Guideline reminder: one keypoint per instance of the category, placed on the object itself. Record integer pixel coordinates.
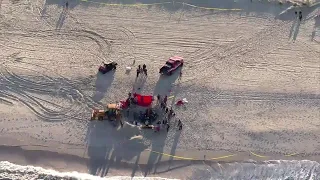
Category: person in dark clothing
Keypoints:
(300, 15)
(165, 100)
(158, 98)
(168, 126)
(180, 127)
(67, 5)
(138, 70)
(179, 122)
(167, 109)
(144, 69)
(163, 106)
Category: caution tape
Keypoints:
(183, 3)
(208, 8)
(289, 155)
(216, 158)
(223, 157)
(261, 156)
(258, 155)
(169, 155)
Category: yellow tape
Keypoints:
(223, 157)
(288, 155)
(137, 5)
(258, 155)
(216, 158)
(208, 8)
(178, 157)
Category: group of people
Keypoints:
(142, 70)
(168, 112)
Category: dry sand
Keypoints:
(252, 79)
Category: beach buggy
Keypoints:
(104, 68)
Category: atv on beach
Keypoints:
(104, 68)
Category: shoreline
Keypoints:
(69, 158)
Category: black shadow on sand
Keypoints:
(257, 7)
(103, 82)
(61, 19)
(296, 30)
(62, 3)
(110, 147)
(316, 26)
(165, 84)
(139, 83)
(288, 14)
(157, 144)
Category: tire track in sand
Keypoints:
(228, 55)
(17, 89)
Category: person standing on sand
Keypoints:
(168, 126)
(158, 98)
(67, 5)
(180, 127)
(138, 70)
(300, 15)
(165, 100)
(180, 75)
(144, 69)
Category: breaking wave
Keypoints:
(10, 171)
(271, 170)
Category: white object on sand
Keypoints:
(184, 100)
(128, 68)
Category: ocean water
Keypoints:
(268, 170)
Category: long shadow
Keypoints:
(157, 145)
(102, 84)
(316, 27)
(125, 151)
(136, 165)
(98, 149)
(62, 3)
(61, 19)
(174, 146)
(139, 83)
(165, 84)
(109, 146)
(296, 31)
(258, 7)
(44, 9)
(289, 13)
(292, 28)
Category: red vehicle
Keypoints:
(171, 65)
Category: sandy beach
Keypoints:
(251, 78)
